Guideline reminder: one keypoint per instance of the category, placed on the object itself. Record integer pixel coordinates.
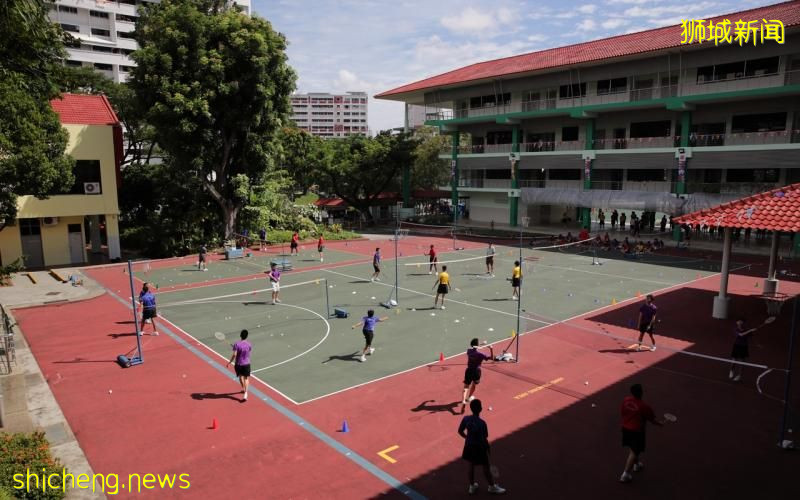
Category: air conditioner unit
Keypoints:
(91, 188)
(49, 221)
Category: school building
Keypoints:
(653, 120)
(55, 231)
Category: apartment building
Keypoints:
(331, 115)
(104, 30)
(638, 121)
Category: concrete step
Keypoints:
(14, 416)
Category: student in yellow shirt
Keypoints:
(516, 277)
(442, 286)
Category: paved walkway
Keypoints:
(27, 401)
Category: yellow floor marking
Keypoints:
(383, 454)
(538, 388)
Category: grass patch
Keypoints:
(22, 452)
(306, 199)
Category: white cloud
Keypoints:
(587, 9)
(614, 23)
(473, 21)
(656, 12)
(587, 25)
(537, 38)
(637, 2)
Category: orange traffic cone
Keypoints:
(441, 357)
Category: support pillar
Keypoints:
(94, 233)
(513, 208)
(454, 175)
(680, 182)
(771, 283)
(721, 301)
(586, 212)
(112, 235)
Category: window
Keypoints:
(97, 13)
(651, 129)
(127, 19)
(761, 67)
(502, 173)
(764, 122)
(85, 171)
(74, 64)
(104, 67)
(127, 2)
(569, 133)
(126, 34)
(100, 48)
(67, 10)
(126, 52)
(645, 174)
(612, 86)
(488, 101)
(565, 174)
(126, 69)
(752, 175)
(71, 28)
(29, 227)
(500, 137)
(570, 91)
(100, 32)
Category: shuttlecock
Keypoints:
(110, 391)
(491, 329)
(585, 383)
(594, 405)
(433, 314)
(354, 292)
(372, 298)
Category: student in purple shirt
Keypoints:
(647, 319)
(275, 281)
(148, 301)
(368, 322)
(241, 357)
(376, 265)
(741, 349)
(472, 375)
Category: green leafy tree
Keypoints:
(428, 170)
(360, 168)
(32, 141)
(216, 85)
(300, 155)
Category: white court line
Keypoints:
(431, 363)
(429, 295)
(317, 281)
(327, 324)
(603, 274)
(212, 351)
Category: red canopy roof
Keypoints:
(84, 109)
(597, 50)
(776, 210)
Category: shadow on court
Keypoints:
(346, 357)
(451, 408)
(199, 396)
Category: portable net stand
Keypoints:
(774, 302)
(123, 360)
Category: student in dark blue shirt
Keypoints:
(472, 375)
(476, 447)
(148, 301)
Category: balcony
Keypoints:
(738, 188)
(485, 183)
(440, 111)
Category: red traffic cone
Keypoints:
(214, 425)
(441, 357)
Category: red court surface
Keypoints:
(553, 421)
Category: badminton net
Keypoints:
(307, 293)
(417, 229)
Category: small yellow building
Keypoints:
(53, 232)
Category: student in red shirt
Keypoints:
(434, 260)
(635, 415)
(293, 244)
(321, 247)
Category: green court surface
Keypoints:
(304, 353)
(221, 269)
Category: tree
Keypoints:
(429, 171)
(300, 155)
(32, 141)
(216, 85)
(360, 168)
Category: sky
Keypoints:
(373, 46)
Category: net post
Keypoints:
(135, 316)
(519, 297)
(327, 300)
(788, 380)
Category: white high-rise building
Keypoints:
(331, 115)
(104, 29)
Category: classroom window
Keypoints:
(762, 122)
(85, 171)
(565, 174)
(651, 129)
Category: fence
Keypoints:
(7, 348)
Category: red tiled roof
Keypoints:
(84, 109)
(776, 210)
(330, 202)
(607, 48)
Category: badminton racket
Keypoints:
(219, 335)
